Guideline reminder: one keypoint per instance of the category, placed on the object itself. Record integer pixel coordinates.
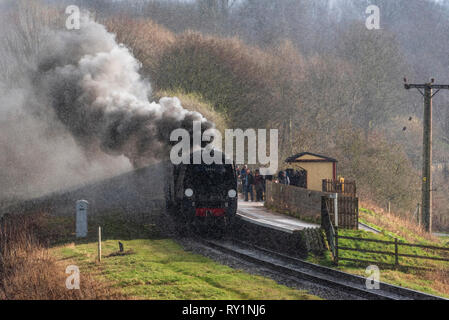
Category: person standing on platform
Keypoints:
(259, 183)
(283, 178)
(248, 185)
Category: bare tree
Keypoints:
(25, 25)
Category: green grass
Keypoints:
(405, 277)
(153, 267)
(384, 258)
(161, 269)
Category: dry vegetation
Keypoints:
(402, 226)
(147, 40)
(29, 272)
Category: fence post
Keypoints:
(396, 253)
(335, 197)
(99, 244)
(336, 246)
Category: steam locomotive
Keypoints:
(200, 197)
(205, 194)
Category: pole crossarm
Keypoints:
(426, 86)
(438, 90)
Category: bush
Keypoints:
(232, 76)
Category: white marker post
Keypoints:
(81, 218)
(335, 197)
(99, 244)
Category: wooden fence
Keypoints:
(346, 188)
(333, 239)
(348, 211)
(396, 253)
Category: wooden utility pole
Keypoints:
(290, 134)
(418, 214)
(428, 94)
(427, 161)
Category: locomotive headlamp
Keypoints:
(188, 192)
(232, 193)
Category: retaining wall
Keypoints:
(298, 202)
(298, 244)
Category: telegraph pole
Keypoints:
(428, 94)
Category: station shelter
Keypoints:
(314, 168)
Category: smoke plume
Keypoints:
(78, 111)
(98, 94)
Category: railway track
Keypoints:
(336, 280)
(366, 227)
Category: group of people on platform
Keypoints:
(251, 182)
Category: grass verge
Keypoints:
(161, 269)
(28, 270)
(37, 248)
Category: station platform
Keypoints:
(256, 213)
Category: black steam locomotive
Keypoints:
(205, 195)
(190, 196)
